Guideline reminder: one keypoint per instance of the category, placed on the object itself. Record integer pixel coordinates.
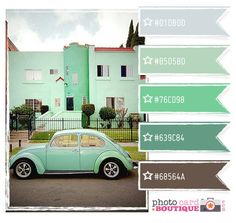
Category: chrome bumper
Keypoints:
(135, 165)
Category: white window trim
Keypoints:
(115, 102)
(52, 69)
(104, 69)
(129, 70)
(32, 75)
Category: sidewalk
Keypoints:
(129, 144)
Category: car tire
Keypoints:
(24, 169)
(112, 169)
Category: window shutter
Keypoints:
(129, 71)
(120, 103)
(75, 79)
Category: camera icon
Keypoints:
(210, 205)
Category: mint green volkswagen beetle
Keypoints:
(73, 152)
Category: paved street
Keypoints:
(77, 191)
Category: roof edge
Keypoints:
(114, 49)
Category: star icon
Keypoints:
(147, 98)
(147, 21)
(147, 137)
(147, 175)
(147, 60)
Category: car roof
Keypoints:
(79, 131)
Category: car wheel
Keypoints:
(24, 169)
(112, 169)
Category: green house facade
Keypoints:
(77, 75)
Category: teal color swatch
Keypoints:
(184, 136)
(181, 98)
(184, 59)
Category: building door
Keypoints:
(70, 104)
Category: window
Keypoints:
(110, 102)
(115, 102)
(33, 75)
(53, 71)
(142, 77)
(57, 102)
(102, 71)
(70, 140)
(84, 100)
(75, 79)
(67, 70)
(120, 103)
(35, 104)
(91, 141)
(126, 71)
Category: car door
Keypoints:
(91, 146)
(63, 153)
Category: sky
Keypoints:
(51, 30)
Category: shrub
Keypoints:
(133, 120)
(106, 114)
(121, 116)
(88, 110)
(21, 115)
(84, 120)
(44, 109)
(22, 110)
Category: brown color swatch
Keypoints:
(197, 175)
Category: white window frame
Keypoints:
(105, 71)
(75, 80)
(57, 102)
(53, 71)
(33, 75)
(116, 99)
(129, 71)
(34, 107)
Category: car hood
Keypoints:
(33, 147)
(29, 149)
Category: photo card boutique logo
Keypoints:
(190, 205)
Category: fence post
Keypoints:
(131, 130)
(62, 123)
(10, 148)
(34, 119)
(97, 124)
(11, 122)
(29, 127)
(16, 121)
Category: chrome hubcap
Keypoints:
(111, 169)
(23, 169)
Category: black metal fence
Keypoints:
(119, 130)
(19, 121)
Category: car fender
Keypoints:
(112, 154)
(37, 162)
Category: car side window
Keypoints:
(70, 140)
(91, 141)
